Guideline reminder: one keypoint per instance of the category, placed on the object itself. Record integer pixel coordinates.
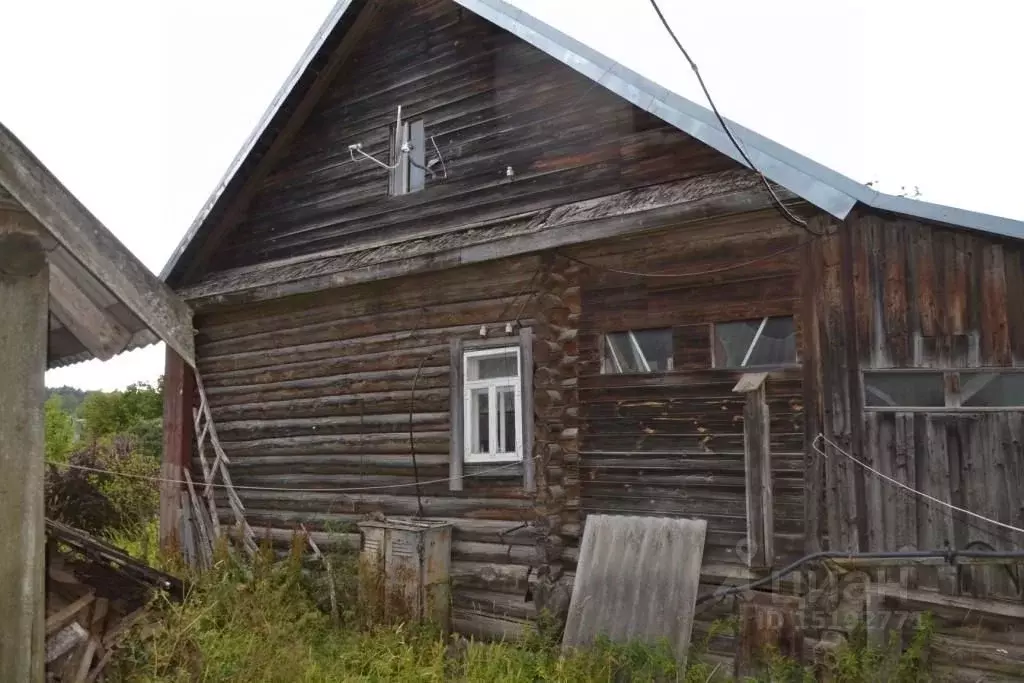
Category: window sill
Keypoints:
(491, 460)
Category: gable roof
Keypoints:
(102, 299)
(830, 191)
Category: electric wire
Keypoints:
(900, 484)
(783, 209)
(281, 489)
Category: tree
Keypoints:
(59, 429)
(121, 412)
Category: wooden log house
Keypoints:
(468, 268)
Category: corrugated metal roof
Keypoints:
(103, 301)
(830, 191)
(637, 579)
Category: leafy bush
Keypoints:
(59, 429)
(107, 490)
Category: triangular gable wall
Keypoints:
(489, 101)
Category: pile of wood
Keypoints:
(94, 594)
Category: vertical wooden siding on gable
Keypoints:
(928, 297)
(489, 101)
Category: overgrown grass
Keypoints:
(269, 621)
(261, 623)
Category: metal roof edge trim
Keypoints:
(311, 51)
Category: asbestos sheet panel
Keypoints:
(636, 580)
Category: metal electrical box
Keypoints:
(406, 563)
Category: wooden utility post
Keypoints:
(24, 302)
(179, 392)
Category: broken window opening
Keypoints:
(637, 351)
(761, 342)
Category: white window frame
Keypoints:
(491, 385)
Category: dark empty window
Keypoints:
(753, 343)
(637, 351)
(904, 389)
(991, 390)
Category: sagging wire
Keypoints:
(280, 489)
(822, 438)
(783, 209)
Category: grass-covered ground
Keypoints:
(269, 621)
(261, 623)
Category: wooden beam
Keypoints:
(91, 325)
(289, 128)
(758, 468)
(99, 252)
(179, 399)
(624, 213)
(24, 312)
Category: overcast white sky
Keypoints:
(139, 106)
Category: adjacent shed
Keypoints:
(69, 291)
(470, 269)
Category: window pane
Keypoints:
(637, 351)
(985, 389)
(496, 366)
(732, 341)
(776, 345)
(904, 389)
(480, 421)
(506, 419)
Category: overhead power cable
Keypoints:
(783, 209)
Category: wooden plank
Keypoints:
(811, 350)
(1014, 269)
(179, 388)
(457, 437)
(529, 457)
(855, 478)
(905, 471)
(936, 521)
(23, 310)
(995, 329)
(95, 247)
(758, 468)
(98, 331)
(895, 316)
(59, 620)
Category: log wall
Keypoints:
(333, 392)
